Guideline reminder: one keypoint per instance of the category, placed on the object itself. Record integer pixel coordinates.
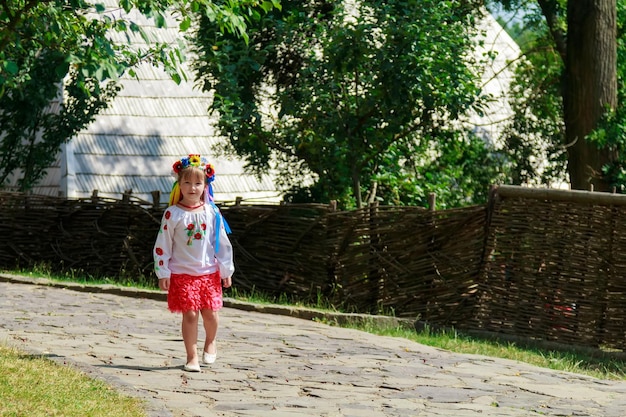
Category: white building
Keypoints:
(496, 78)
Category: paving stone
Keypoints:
(279, 366)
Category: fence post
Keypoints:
(126, 196)
(331, 254)
(156, 198)
(94, 196)
(375, 277)
(432, 201)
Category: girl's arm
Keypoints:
(162, 251)
(224, 256)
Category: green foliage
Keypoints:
(34, 127)
(535, 135)
(81, 30)
(462, 173)
(52, 46)
(357, 99)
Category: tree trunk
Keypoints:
(590, 87)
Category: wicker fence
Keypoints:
(100, 237)
(556, 267)
(538, 264)
(413, 261)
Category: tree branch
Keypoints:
(549, 8)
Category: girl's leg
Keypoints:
(210, 320)
(190, 336)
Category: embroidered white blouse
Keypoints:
(186, 244)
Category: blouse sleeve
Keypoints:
(163, 247)
(224, 254)
(222, 245)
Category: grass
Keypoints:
(34, 386)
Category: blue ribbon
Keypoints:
(218, 223)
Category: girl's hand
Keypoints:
(227, 282)
(164, 284)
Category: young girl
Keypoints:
(193, 256)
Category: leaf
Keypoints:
(120, 25)
(268, 5)
(62, 69)
(185, 24)
(160, 20)
(11, 67)
(99, 74)
(126, 5)
(142, 33)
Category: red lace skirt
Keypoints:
(188, 292)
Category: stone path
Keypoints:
(276, 365)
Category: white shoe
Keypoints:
(208, 358)
(191, 368)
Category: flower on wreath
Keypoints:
(177, 167)
(210, 172)
(194, 160)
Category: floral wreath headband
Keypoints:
(194, 160)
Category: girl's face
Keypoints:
(192, 183)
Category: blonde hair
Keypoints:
(181, 170)
(193, 173)
(190, 172)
